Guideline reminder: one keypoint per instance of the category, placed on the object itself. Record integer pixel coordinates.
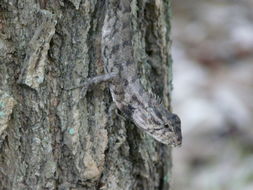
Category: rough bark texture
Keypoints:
(56, 139)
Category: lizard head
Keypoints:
(161, 124)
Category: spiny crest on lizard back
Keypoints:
(155, 98)
(159, 123)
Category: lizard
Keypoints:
(127, 92)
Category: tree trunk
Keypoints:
(52, 138)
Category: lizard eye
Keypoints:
(168, 127)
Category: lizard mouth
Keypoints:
(177, 141)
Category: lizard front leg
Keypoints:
(94, 81)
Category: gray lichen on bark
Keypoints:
(33, 68)
(7, 104)
(57, 139)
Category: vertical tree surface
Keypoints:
(51, 138)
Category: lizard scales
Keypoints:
(126, 90)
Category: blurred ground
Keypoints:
(213, 94)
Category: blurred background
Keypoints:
(213, 94)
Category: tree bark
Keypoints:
(57, 139)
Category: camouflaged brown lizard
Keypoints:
(126, 90)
